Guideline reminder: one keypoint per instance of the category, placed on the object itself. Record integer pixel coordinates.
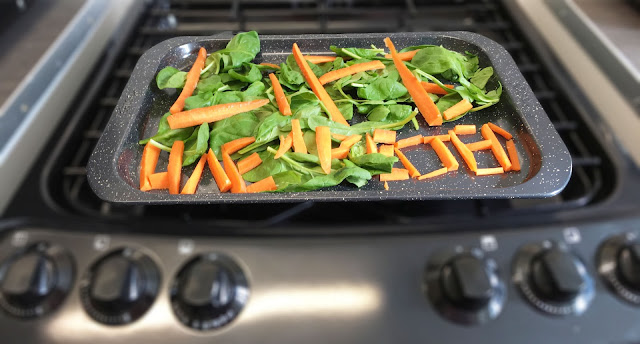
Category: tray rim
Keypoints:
(117, 190)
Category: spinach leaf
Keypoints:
(196, 145)
(202, 99)
(357, 53)
(167, 136)
(310, 141)
(358, 149)
(170, 77)
(269, 167)
(416, 47)
(291, 63)
(231, 83)
(448, 101)
(228, 129)
(481, 77)
(242, 48)
(378, 114)
(289, 77)
(269, 129)
(211, 65)
(434, 59)
(360, 128)
(375, 163)
(210, 84)
(254, 91)
(286, 178)
(247, 73)
(350, 172)
(346, 109)
(226, 97)
(382, 89)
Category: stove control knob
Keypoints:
(120, 287)
(619, 266)
(35, 280)
(464, 286)
(209, 292)
(553, 279)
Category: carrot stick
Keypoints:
(513, 156)
(317, 88)
(479, 145)
(465, 153)
(323, 141)
(237, 144)
(406, 56)
(457, 110)
(433, 174)
(249, 163)
(465, 129)
(190, 83)
(435, 88)
(274, 66)
(285, 145)
(496, 129)
(386, 150)
(237, 183)
(159, 181)
(213, 113)
(386, 186)
(384, 136)
(413, 171)
(448, 160)
(496, 148)
(174, 169)
(411, 141)
(371, 146)
(396, 174)
(338, 137)
(193, 181)
(315, 59)
(443, 138)
(353, 69)
(281, 99)
(350, 141)
(148, 164)
(427, 107)
(267, 184)
(488, 171)
(298, 140)
(339, 153)
(219, 175)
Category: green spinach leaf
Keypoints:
(375, 163)
(242, 48)
(247, 73)
(228, 129)
(196, 145)
(170, 77)
(382, 89)
(167, 136)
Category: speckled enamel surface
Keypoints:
(546, 164)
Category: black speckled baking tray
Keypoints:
(546, 164)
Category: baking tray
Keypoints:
(546, 164)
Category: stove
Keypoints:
(562, 269)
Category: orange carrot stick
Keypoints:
(237, 183)
(281, 99)
(396, 174)
(213, 113)
(267, 184)
(285, 145)
(427, 107)
(249, 163)
(496, 147)
(350, 141)
(174, 169)
(353, 69)
(371, 146)
(386, 150)
(315, 59)
(488, 171)
(386, 186)
(148, 164)
(448, 160)
(513, 156)
(339, 153)
(457, 110)
(317, 88)
(159, 181)
(479, 145)
(193, 181)
(384, 136)
(219, 175)
(433, 174)
(298, 140)
(190, 83)
(496, 129)
(406, 56)
(237, 144)
(465, 129)
(435, 88)
(323, 141)
(338, 137)
(466, 154)
(443, 138)
(274, 66)
(411, 141)
(413, 171)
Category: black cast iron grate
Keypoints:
(592, 177)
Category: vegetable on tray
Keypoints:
(312, 122)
